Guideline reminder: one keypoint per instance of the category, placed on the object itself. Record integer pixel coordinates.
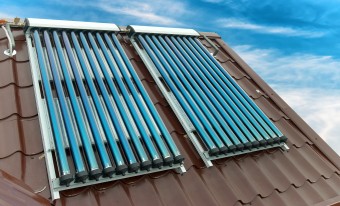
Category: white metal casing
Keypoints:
(162, 30)
(48, 23)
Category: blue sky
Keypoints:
(293, 45)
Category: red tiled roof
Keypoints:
(307, 174)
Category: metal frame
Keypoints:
(182, 116)
(57, 188)
(48, 143)
(283, 146)
(46, 131)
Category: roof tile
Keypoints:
(220, 190)
(277, 177)
(324, 189)
(270, 109)
(29, 169)
(195, 189)
(256, 177)
(15, 73)
(15, 100)
(250, 88)
(234, 71)
(294, 135)
(18, 135)
(238, 181)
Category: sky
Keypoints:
(293, 45)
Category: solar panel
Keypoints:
(98, 123)
(218, 116)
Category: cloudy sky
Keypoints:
(292, 44)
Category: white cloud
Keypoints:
(147, 11)
(310, 84)
(285, 31)
(319, 108)
(305, 70)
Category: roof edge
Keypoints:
(333, 201)
(332, 156)
(21, 191)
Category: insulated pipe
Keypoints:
(121, 167)
(126, 146)
(218, 96)
(209, 143)
(81, 173)
(107, 166)
(234, 94)
(168, 159)
(198, 95)
(64, 169)
(198, 84)
(91, 159)
(246, 98)
(156, 159)
(249, 130)
(177, 156)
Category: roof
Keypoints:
(307, 174)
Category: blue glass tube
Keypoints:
(222, 100)
(211, 93)
(200, 98)
(156, 159)
(64, 169)
(168, 159)
(81, 173)
(185, 69)
(245, 100)
(126, 146)
(244, 116)
(206, 138)
(86, 143)
(245, 125)
(105, 160)
(121, 167)
(177, 156)
(226, 84)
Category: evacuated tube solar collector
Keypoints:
(213, 108)
(103, 123)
